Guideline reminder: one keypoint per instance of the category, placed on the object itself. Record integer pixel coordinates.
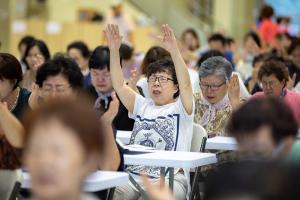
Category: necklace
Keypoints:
(12, 99)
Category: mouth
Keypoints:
(45, 180)
(156, 92)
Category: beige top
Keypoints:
(213, 117)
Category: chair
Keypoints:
(198, 145)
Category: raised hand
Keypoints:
(291, 82)
(168, 39)
(110, 114)
(113, 37)
(234, 91)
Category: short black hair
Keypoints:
(208, 54)
(258, 58)
(42, 47)
(60, 65)
(273, 112)
(295, 45)
(100, 58)
(254, 37)
(163, 65)
(217, 37)
(26, 40)
(126, 51)
(81, 46)
(10, 68)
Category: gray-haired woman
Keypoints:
(220, 95)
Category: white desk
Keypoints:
(100, 180)
(173, 159)
(221, 143)
(124, 136)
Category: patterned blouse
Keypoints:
(213, 117)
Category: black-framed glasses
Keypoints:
(161, 79)
(212, 87)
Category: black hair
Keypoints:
(60, 65)
(164, 65)
(42, 47)
(10, 68)
(100, 58)
(254, 37)
(81, 46)
(208, 54)
(217, 37)
(266, 12)
(258, 58)
(126, 51)
(26, 40)
(295, 44)
(273, 112)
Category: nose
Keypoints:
(156, 83)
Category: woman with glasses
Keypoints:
(163, 121)
(220, 95)
(274, 76)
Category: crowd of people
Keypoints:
(59, 112)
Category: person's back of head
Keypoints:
(266, 12)
(153, 54)
(126, 51)
(261, 124)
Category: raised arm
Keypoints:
(11, 126)
(125, 93)
(169, 42)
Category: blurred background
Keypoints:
(59, 22)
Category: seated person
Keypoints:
(80, 52)
(13, 103)
(220, 93)
(61, 149)
(252, 82)
(101, 89)
(165, 120)
(265, 128)
(274, 77)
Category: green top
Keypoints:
(294, 155)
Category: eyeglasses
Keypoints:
(161, 79)
(212, 87)
(59, 89)
(269, 83)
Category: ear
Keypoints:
(176, 88)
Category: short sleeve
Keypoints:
(139, 102)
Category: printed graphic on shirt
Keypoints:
(159, 133)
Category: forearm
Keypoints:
(12, 127)
(182, 73)
(112, 158)
(115, 69)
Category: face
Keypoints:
(161, 88)
(6, 87)
(296, 57)
(272, 86)
(258, 144)
(101, 80)
(31, 58)
(76, 55)
(214, 88)
(56, 87)
(52, 156)
(117, 10)
(190, 41)
(250, 46)
(217, 45)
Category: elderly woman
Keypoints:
(58, 143)
(274, 76)
(220, 95)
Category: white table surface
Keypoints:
(221, 143)
(100, 180)
(124, 136)
(175, 159)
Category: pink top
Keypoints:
(268, 30)
(291, 98)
